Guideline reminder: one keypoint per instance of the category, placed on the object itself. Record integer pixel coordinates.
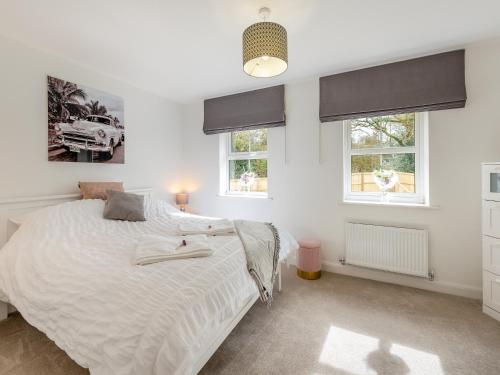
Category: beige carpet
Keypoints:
(336, 325)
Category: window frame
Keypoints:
(421, 151)
(226, 155)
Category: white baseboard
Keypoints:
(493, 313)
(414, 282)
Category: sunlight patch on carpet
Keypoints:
(360, 354)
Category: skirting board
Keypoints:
(490, 312)
(414, 282)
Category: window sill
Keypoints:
(245, 196)
(390, 204)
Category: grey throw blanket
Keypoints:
(262, 247)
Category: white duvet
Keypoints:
(69, 272)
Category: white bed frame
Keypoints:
(221, 336)
(12, 209)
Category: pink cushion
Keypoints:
(309, 243)
(97, 190)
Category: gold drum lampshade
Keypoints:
(265, 50)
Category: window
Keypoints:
(243, 163)
(385, 159)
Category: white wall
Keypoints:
(163, 150)
(307, 195)
(152, 125)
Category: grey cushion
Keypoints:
(124, 206)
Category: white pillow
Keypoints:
(157, 207)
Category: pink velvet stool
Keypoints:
(309, 259)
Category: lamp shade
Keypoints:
(265, 49)
(182, 198)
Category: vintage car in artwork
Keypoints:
(95, 133)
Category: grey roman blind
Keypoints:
(264, 108)
(423, 84)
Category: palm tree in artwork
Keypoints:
(64, 98)
(96, 109)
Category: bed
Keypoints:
(68, 271)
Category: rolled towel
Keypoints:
(210, 228)
(152, 248)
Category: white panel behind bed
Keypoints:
(12, 208)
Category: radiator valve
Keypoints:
(430, 275)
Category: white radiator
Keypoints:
(400, 250)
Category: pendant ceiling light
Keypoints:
(265, 50)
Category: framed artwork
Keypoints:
(85, 125)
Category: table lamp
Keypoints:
(182, 199)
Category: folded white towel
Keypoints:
(210, 228)
(152, 248)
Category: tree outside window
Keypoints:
(247, 162)
(383, 155)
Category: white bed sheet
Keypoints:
(69, 273)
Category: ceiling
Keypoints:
(191, 49)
